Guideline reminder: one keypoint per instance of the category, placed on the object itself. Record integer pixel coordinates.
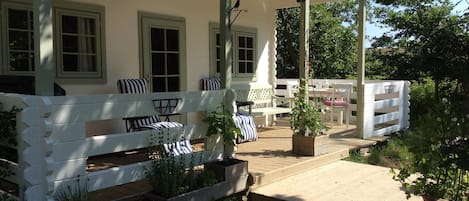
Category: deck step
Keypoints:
(260, 179)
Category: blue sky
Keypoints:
(373, 30)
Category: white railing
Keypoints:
(386, 102)
(54, 147)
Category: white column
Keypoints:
(44, 47)
(361, 70)
(304, 46)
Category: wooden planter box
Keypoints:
(228, 170)
(209, 193)
(232, 173)
(310, 146)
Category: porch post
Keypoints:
(226, 49)
(304, 47)
(361, 69)
(43, 47)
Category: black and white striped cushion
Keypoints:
(132, 86)
(177, 148)
(247, 126)
(164, 124)
(211, 83)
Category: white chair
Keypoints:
(339, 102)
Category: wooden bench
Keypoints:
(264, 99)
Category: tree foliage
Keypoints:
(333, 40)
(428, 39)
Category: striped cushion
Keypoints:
(164, 124)
(247, 126)
(211, 83)
(132, 86)
(177, 148)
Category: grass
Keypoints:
(391, 154)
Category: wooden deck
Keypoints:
(270, 157)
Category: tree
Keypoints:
(429, 40)
(333, 40)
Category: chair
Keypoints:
(339, 102)
(243, 121)
(139, 86)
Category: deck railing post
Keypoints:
(368, 111)
(32, 166)
(405, 106)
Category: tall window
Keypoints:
(79, 50)
(20, 48)
(78, 40)
(244, 48)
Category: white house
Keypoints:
(87, 45)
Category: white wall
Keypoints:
(122, 52)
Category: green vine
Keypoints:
(305, 118)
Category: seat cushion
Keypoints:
(164, 124)
(247, 126)
(177, 148)
(335, 103)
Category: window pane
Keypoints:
(70, 43)
(31, 40)
(159, 84)
(18, 40)
(250, 55)
(249, 67)
(242, 54)
(19, 61)
(217, 40)
(173, 84)
(18, 19)
(88, 63)
(241, 42)
(88, 44)
(173, 64)
(157, 39)
(70, 63)
(218, 66)
(241, 67)
(172, 39)
(87, 26)
(249, 42)
(69, 24)
(218, 53)
(158, 64)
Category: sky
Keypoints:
(372, 30)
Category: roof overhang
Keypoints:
(293, 3)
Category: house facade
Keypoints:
(171, 43)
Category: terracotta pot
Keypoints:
(310, 146)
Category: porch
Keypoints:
(270, 159)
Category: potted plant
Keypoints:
(221, 123)
(308, 136)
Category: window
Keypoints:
(19, 37)
(78, 39)
(244, 49)
(163, 51)
(79, 47)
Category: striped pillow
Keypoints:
(132, 86)
(211, 83)
(177, 148)
(164, 124)
(247, 126)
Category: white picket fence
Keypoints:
(387, 104)
(53, 145)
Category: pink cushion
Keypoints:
(339, 102)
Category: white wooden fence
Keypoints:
(387, 104)
(53, 145)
